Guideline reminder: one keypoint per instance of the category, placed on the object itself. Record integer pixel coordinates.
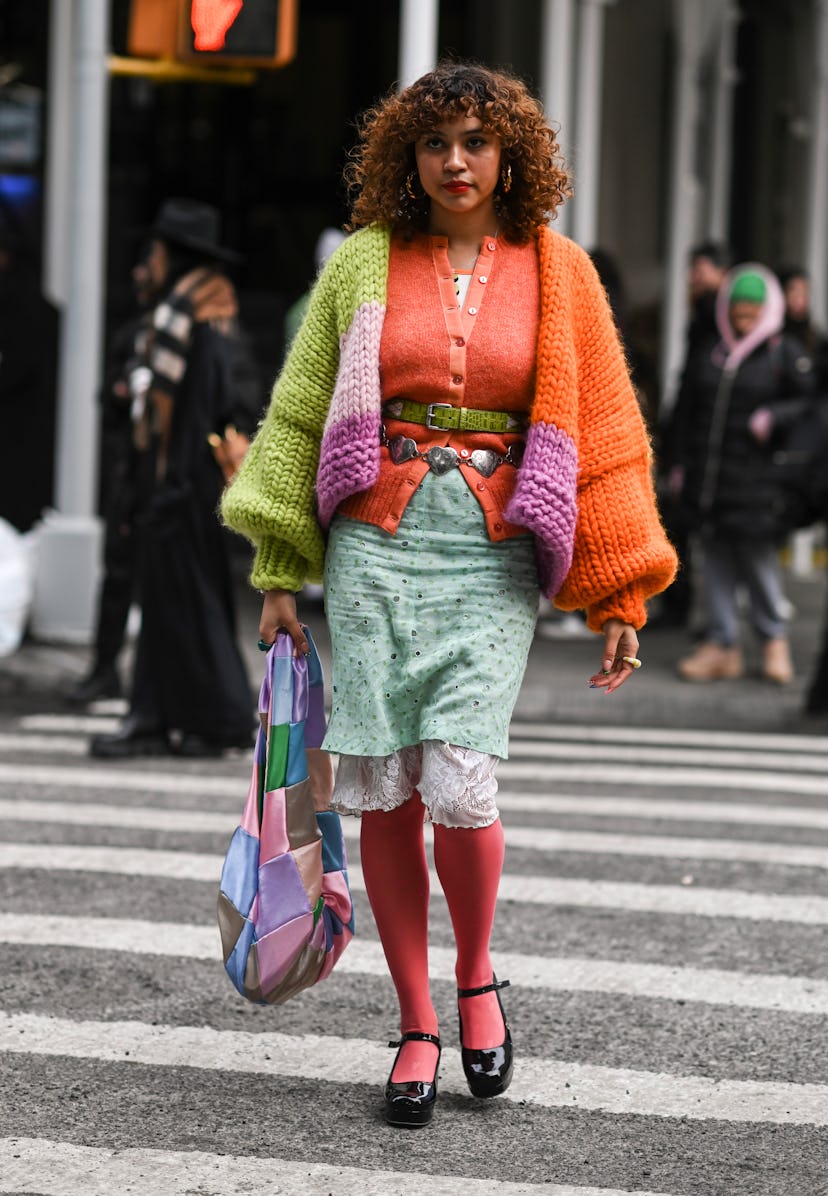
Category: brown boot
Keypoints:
(776, 663)
(711, 662)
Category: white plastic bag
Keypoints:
(17, 569)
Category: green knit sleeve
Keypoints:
(271, 500)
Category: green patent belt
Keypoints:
(454, 419)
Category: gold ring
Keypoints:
(632, 661)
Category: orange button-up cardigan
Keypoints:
(583, 489)
(482, 356)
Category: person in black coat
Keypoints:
(190, 692)
(123, 373)
(707, 266)
(799, 320)
(740, 388)
(28, 382)
(799, 323)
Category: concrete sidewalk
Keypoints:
(555, 687)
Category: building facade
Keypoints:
(682, 120)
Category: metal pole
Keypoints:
(558, 22)
(589, 91)
(683, 192)
(81, 340)
(58, 142)
(721, 152)
(419, 20)
(69, 546)
(816, 237)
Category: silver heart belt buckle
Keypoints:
(402, 449)
(485, 461)
(441, 459)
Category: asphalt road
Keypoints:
(662, 919)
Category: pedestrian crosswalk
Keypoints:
(662, 919)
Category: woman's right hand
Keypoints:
(278, 614)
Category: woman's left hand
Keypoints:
(761, 424)
(620, 640)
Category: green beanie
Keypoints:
(748, 288)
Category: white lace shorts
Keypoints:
(457, 785)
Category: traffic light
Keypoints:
(225, 33)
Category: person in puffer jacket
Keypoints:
(740, 386)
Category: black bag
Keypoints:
(800, 467)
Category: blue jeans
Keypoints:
(752, 566)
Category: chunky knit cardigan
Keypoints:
(584, 488)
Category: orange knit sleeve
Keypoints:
(621, 554)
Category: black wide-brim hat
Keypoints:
(192, 225)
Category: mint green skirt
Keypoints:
(430, 628)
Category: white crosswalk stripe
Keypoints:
(754, 741)
(62, 1168)
(617, 778)
(746, 990)
(636, 775)
(544, 1082)
(619, 806)
(537, 839)
(535, 890)
(623, 806)
(624, 754)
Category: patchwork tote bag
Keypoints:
(284, 908)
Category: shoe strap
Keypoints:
(417, 1036)
(486, 988)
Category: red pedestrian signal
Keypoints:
(239, 32)
(227, 33)
(211, 20)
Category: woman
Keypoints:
(456, 413)
(192, 377)
(739, 391)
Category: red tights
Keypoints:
(469, 863)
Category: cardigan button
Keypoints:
(472, 311)
(481, 485)
(498, 527)
(491, 246)
(457, 379)
(483, 278)
(460, 341)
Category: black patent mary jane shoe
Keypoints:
(411, 1103)
(488, 1072)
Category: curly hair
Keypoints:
(384, 158)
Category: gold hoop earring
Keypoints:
(506, 179)
(409, 185)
